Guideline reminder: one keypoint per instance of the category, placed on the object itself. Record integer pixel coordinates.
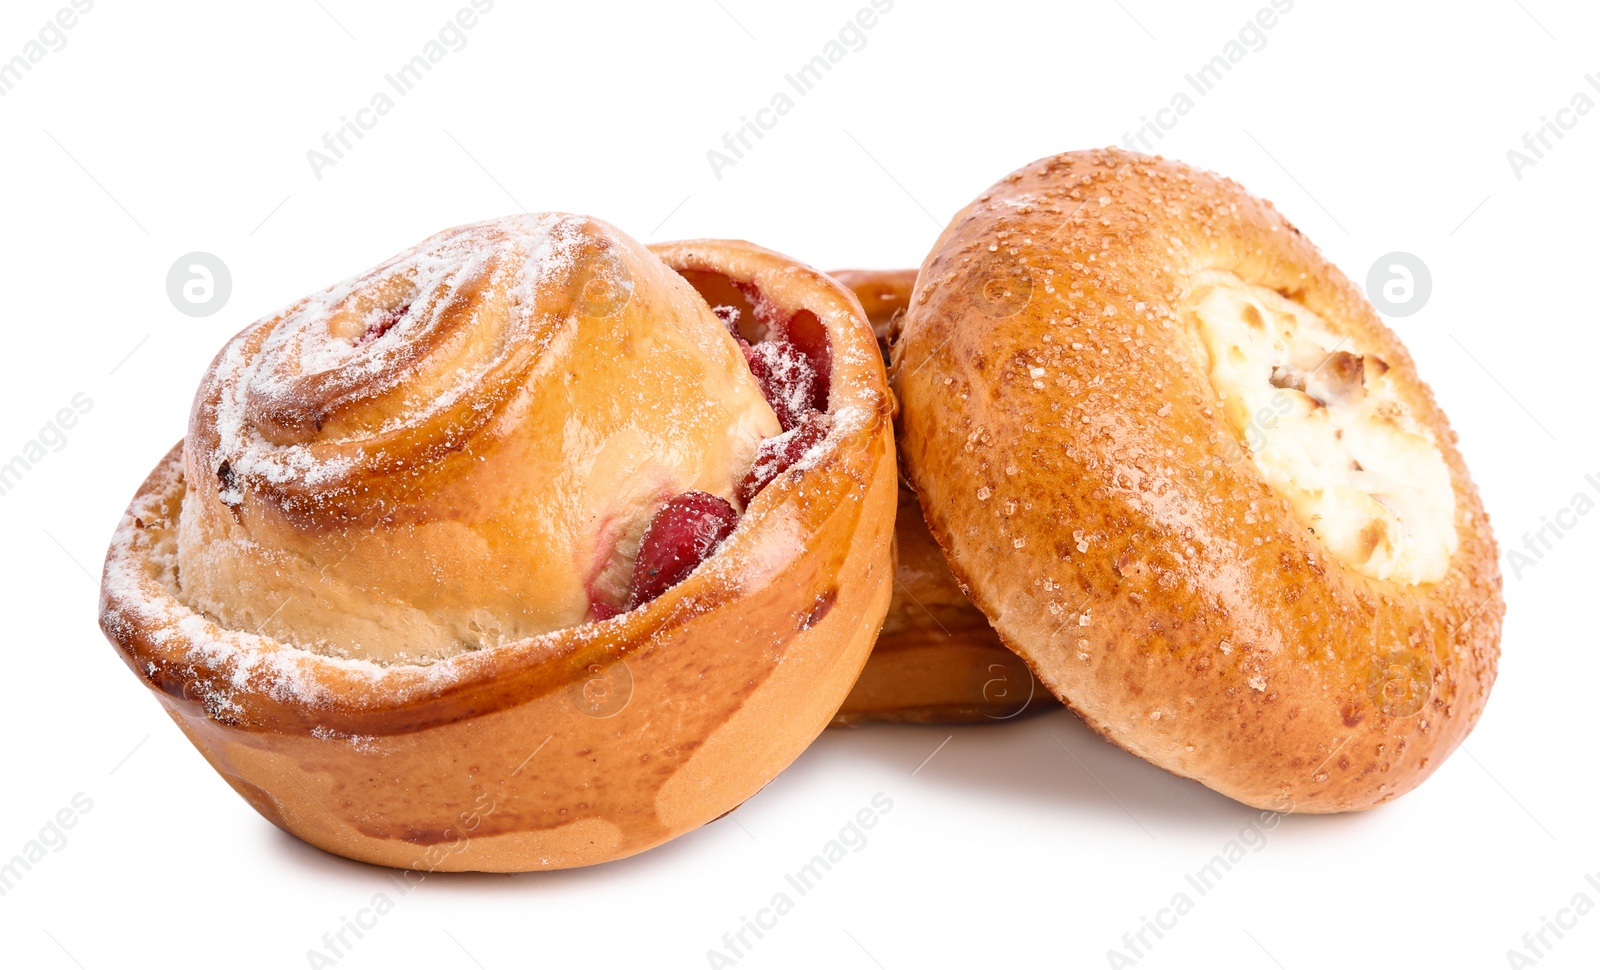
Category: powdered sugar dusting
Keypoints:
(320, 340)
(331, 336)
(221, 666)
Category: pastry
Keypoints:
(509, 554)
(937, 659)
(1190, 476)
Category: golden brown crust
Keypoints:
(576, 746)
(1069, 453)
(884, 295)
(937, 659)
(365, 483)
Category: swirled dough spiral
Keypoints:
(461, 447)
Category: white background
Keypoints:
(1376, 126)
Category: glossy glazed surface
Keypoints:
(1072, 458)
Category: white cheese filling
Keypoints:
(1326, 427)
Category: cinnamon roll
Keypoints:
(511, 553)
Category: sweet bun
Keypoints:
(937, 659)
(1188, 473)
(504, 556)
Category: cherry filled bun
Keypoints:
(461, 565)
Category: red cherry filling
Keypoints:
(680, 537)
(729, 315)
(810, 337)
(792, 368)
(382, 323)
(777, 454)
(787, 380)
(600, 610)
(792, 365)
